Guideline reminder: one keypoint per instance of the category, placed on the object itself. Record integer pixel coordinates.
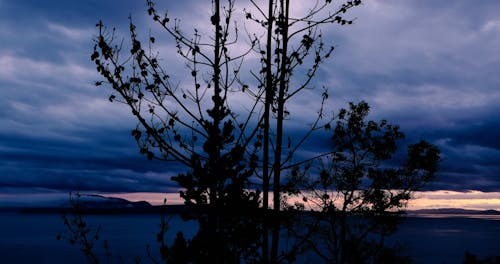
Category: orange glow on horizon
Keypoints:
(474, 200)
(152, 198)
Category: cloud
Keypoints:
(430, 66)
(86, 172)
(42, 73)
(71, 34)
(492, 26)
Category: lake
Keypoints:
(31, 238)
(445, 239)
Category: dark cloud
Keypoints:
(430, 66)
(478, 132)
(96, 165)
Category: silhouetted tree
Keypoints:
(81, 234)
(359, 192)
(236, 155)
(293, 44)
(223, 149)
(473, 259)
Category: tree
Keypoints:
(359, 192)
(223, 149)
(473, 259)
(235, 156)
(79, 233)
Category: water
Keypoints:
(31, 238)
(27, 238)
(443, 239)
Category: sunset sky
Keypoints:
(433, 67)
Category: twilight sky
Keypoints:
(433, 67)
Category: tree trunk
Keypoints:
(283, 83)
(267, 106)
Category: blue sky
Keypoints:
(433, 67)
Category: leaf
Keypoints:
(136, 134)
(94, 55)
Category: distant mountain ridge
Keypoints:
(103, 205)
(99, 204)
(98, 201)
(454, 211)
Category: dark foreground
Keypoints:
(31, 238)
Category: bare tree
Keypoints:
(293, 44)
(235, 157)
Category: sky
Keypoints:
(433, 67)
